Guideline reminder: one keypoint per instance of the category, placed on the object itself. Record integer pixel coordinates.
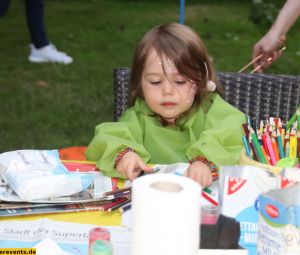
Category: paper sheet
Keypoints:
(70, 237)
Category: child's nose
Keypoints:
(167, 88)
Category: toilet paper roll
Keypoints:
(165, 215)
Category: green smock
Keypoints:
(214, 131)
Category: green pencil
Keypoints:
(292, 119)
(256, 144)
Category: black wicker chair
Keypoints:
(258, 95)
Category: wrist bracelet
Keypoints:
(212, 166)
(121, 155)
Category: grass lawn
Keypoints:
(47, 106)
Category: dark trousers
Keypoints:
(35, 20)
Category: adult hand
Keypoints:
(268, 47)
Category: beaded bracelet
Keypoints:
(121, 155)
(212, 166)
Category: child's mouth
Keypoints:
(168, 104)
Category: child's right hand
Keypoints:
(131, 165)
(200, 173)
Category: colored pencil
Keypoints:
(282, 136)
(287, 149)
(118, 201)
(298, 143)
(256, 144)
(125, 208)
(247, 146)
(293, 146)
(292, 120)
(246, 129)
(266, 155)
(254, 152)
(273, 139)
(270, 148)
(275, 148)
(209, 191)
(280, 146)
(119, 205)
(121, 194)
(298, 119)
(113, 192)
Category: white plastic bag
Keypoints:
(39, 174)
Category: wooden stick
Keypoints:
(250, 63)
(257, 58)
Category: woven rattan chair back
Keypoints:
(257, 95)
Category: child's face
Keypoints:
(166, 93)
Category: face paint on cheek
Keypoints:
(190, 94)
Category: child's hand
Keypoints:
(131, 165)
(200, 173)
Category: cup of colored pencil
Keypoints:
(273, 144)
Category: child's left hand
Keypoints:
(200, 173)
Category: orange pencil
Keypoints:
(275, 148)
(266, 155)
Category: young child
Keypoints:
(175, 113)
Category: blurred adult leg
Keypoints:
(4, 4)
(36, 24)
(40, 48)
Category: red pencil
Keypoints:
(246, 129)
(116, 202)
(117, 206)
(298, 143)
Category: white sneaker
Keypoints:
(48, 53)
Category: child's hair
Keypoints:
(181, 45)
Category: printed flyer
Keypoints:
(70, 237)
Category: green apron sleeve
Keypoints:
(111, 138)
(221, 140)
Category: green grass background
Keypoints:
(47, 106)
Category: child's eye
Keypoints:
(155, 82)
(181, 82)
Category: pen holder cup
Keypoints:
(245, 160)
